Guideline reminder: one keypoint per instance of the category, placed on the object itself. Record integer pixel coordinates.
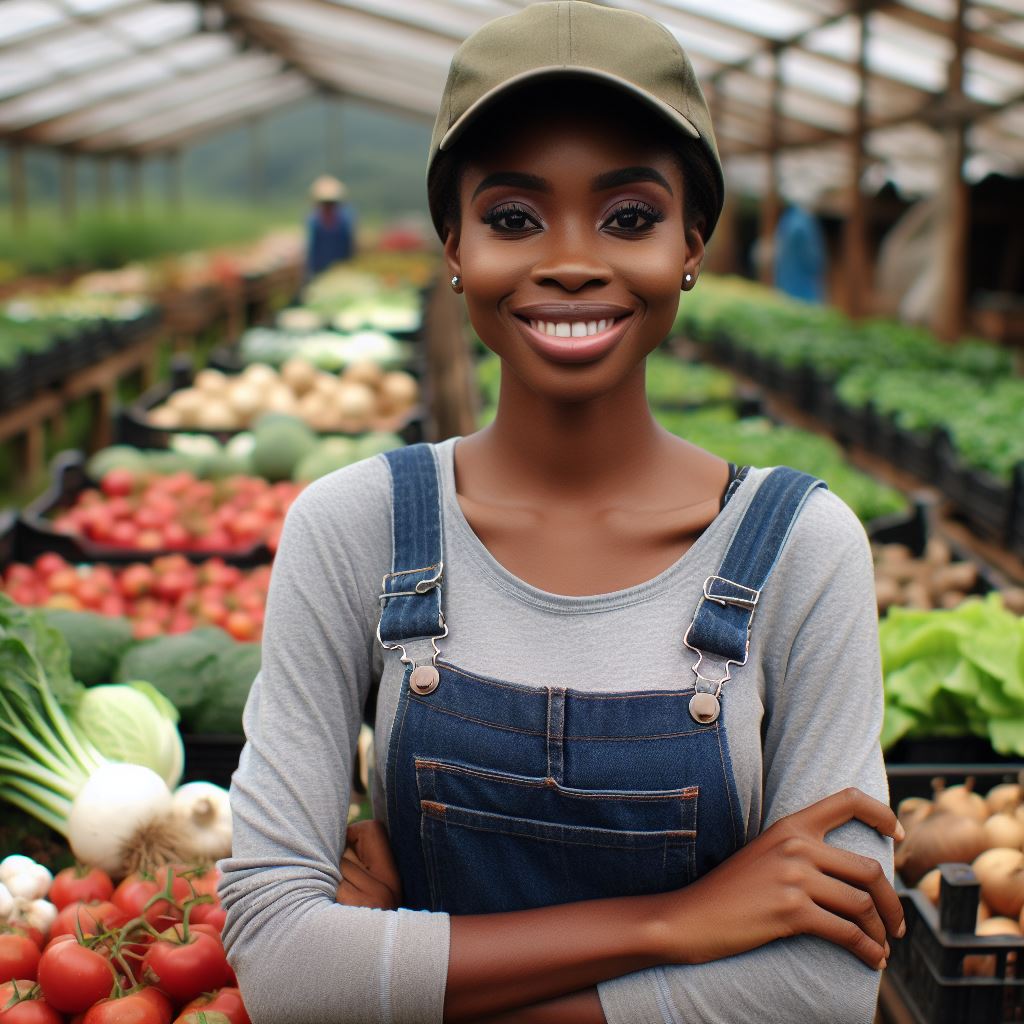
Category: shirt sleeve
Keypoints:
(823, 717)
(299, 956)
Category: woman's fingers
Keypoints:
(847, 805)
(359, 887)
(833, 928)
(848, 901)
(370, 841)
(868, 877)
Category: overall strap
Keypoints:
(720, 630)
(410, 596)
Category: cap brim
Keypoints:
(472, 113)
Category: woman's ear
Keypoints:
(452, 255)
(694, 255)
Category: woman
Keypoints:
(624, 691)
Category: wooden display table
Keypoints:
(27, 425)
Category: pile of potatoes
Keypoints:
(364, 397)
(934, 580)
(961, 826)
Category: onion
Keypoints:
(1001, 874)
(1004, 798)
(116, 802)
(929, 885)
(960, 800)
(984, 966)
(211, 382)
(941, 838)
(1006, 830)
(912, 810)
(299, 374)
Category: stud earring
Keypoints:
(688, 278)
(457, 284)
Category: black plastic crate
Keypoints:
(918, 453)
(16, 382)
(988, 504)
(926, 966)
(950, 473)
(37, 534)
(1015, 537)
(888, 439)
(211, 757)
(911, 528)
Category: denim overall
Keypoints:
(503, 796)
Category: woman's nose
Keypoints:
(569, 264)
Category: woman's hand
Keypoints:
(369, 876)
(789, 881)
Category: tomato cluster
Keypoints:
(170, 596)
(147, 951)
(179, 512)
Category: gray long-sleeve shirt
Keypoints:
(803, 719)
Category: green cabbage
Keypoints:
(135, 723)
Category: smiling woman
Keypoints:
(618, 776)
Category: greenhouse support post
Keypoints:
(134, 163)
(102, 181)
(770, 203)
(68, 186)
(855, 234)
(951, 309)
(18, 185)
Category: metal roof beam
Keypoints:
(183, 88)
(73, 23)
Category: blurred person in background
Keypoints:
(331, 226)
(801, 258)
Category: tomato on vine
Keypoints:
(21, 1003)
(19, 956)
(73, 976)
(79, 883)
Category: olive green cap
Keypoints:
(574, 38)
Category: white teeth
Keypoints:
(572, 328)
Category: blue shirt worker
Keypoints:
(331, 226)
(800, 255)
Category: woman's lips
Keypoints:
(578, 348)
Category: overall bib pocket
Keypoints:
(548, 843)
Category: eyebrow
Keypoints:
(610, 179)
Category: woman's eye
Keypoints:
(510, 219)
(633, 217)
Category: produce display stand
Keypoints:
(27, 425)
(37, 534)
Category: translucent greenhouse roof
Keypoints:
(150, 76)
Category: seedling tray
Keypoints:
(211, 757)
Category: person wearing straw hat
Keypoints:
(627, 695)
(330, 227)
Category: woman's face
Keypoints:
(572, 248)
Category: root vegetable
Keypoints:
(398, 392)
(930, 884)
(984, 965)
(1006, 830)
(960, 800)
(984, 911)
(211, 382)
(940, 838)
(1013, 600)
(937, 552)
(116, 802)
(916, 595)
(962, 576)
(364, 371)
(299, 374)
(1001, 874)
(912, 810)
(1005, 797)
(204, 810)
(887, 592)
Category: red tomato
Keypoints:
(118, 482)
(48, 564)
(182, 970)
(20, 1003)
(159, 1000)
(203, 1017)
(79, 883)
(22, 928)
(73, 977)
(203, 878)
(227, 1001)
(134, 1008)
(208, 913)
(95, 916)
(123, 534)
(19, 957)
(137, 890)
